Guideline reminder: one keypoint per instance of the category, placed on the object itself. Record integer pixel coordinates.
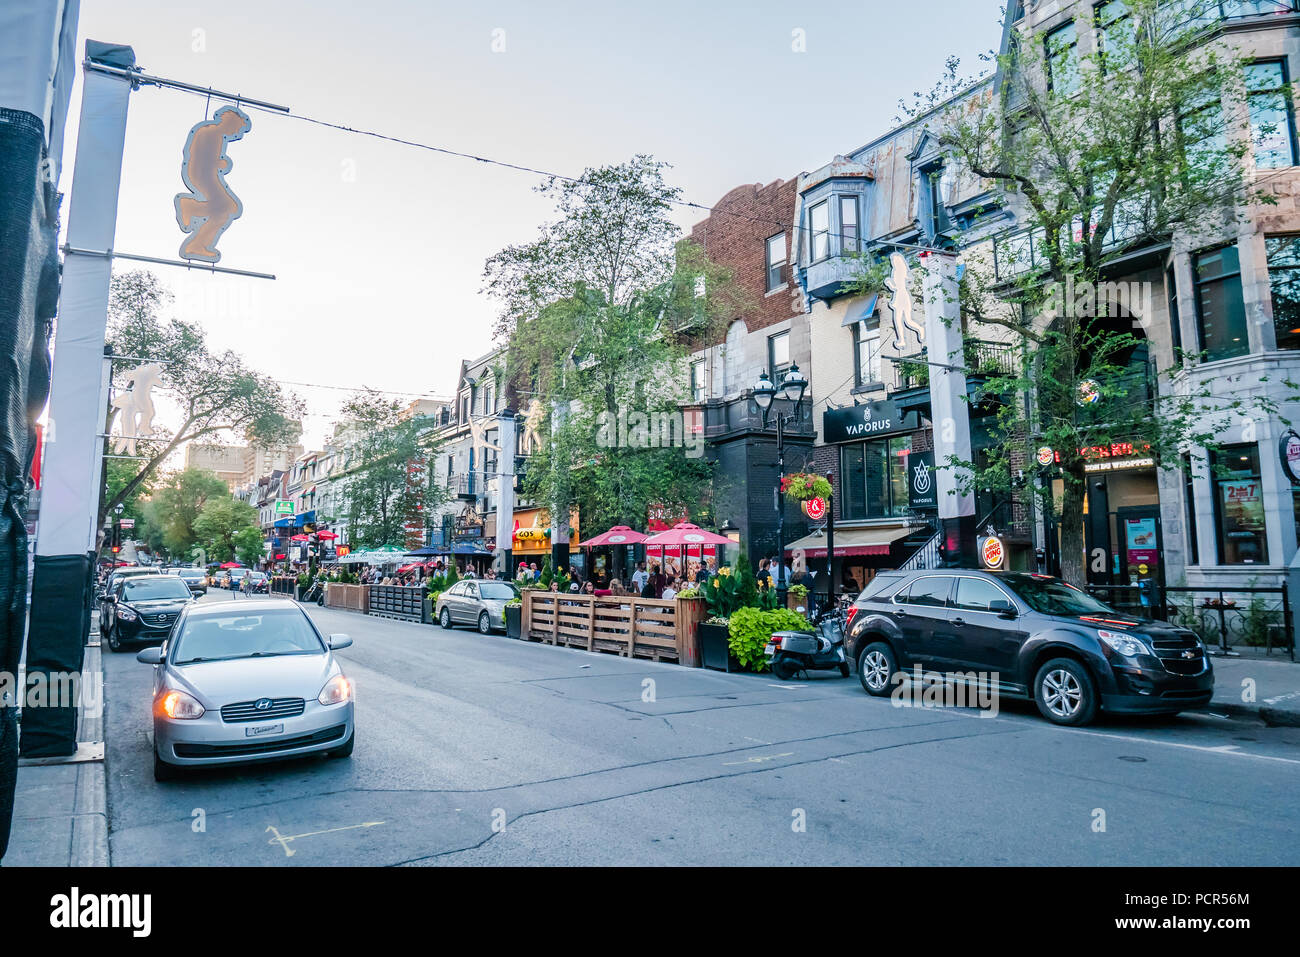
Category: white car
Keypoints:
(247, 682)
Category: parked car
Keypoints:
(240, 682)
(478, 602)
(1035, 636)
(142, 608)
(196, 578)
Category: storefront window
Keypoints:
(1239, 505)
(875, 477)
(1189, 505)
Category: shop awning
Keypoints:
(853, 542)
(861, 313)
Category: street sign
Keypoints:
(127, 523)
(815, 508)
(283, 507)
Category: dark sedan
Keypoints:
(143, 609)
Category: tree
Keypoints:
(176, 503)
(223, 522)
(1097, 155)
(598, 311)
(216, 392)
(250, 547)
(387, 484)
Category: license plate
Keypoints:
(770, 650)
(261, 729)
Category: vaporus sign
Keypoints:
(208, 209)
(864, 421)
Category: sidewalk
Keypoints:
(60, 808)
(1272, 682)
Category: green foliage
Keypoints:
(749, 630)
(452, 576)
(389, 483)
(175, 505)
(731, 590)
(220, 522)
(249, 545)
(304, 580)
(746, 584)
(767, 599)
(801, 486)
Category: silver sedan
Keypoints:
(479, 602)
(241, 682)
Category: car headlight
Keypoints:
(126, 613)
(1122, 644)
(178, 704)
(337, 690)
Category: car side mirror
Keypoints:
(338, 642)
(1003, 608)
(150, 656)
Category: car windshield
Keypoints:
(281, 631)
(497, 590)
(1051, 596)
(154, 588)
(191, 573)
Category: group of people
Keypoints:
(417, 576)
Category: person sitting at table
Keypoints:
(670, 588)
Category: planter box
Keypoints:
(797, 604)
(427, 611)
(514, 616)
(715, 652)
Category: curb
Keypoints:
(1270, 714)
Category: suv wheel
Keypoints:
(114, 642)
(1065, 692)
(876, 668)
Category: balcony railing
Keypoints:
(718, 418)
(982, 359)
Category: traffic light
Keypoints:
(117, 538)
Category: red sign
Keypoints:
(815, 508)
(342, 550)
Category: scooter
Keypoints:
(790, 652)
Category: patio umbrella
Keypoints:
(326, 536)
(618, 535)
(231, 565)
(426, 550)
(684, 533)
(299, 538)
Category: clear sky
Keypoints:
(379, 248)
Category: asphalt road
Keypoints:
(474, 750)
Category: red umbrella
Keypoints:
(408, 568)
(684, 533)
(618, 535)
(231, 565)
(326, 536)
(299, 538)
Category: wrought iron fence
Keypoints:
(1221, 617)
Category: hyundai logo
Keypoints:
(263, 704)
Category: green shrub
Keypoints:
(750, 629)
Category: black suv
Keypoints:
(1034, 636)
(142, 608)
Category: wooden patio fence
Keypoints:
(632, 627)
(351, 597)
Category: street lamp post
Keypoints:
(791, 390)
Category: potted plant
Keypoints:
(802, 486)
(514, 610)
(724, 594)
(750, 629)
(796, 598)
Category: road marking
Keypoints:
(1203, 748)
(772, 684)
(759, 759)
(284, 839)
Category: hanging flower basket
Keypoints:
(802, 486)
